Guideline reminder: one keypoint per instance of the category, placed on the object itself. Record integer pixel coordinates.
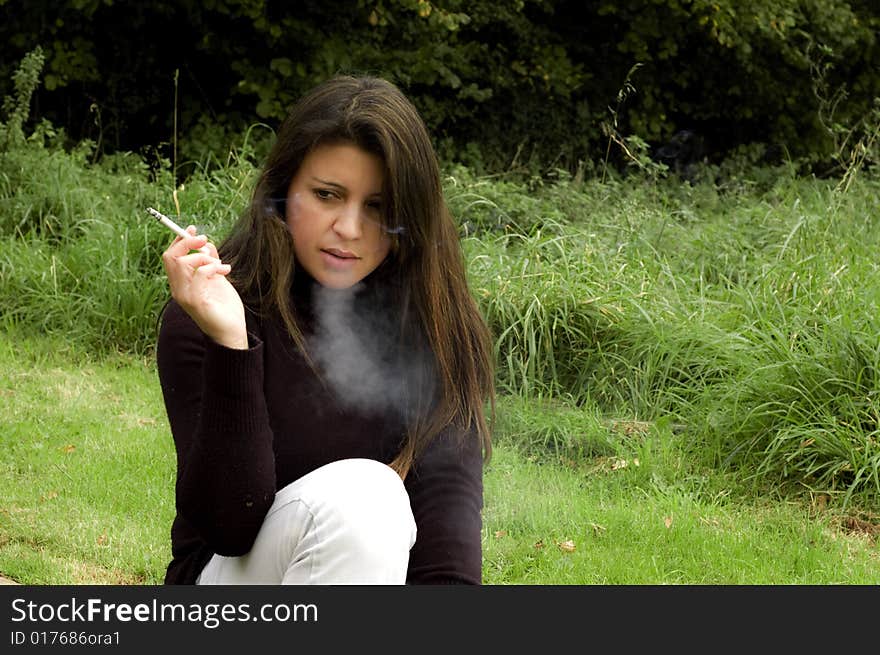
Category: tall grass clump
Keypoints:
(593, 306)
(744, 315)
(548, 301)
(807, 412)
(79, 256)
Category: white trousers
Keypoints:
(348, 522)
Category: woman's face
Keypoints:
(334, 213)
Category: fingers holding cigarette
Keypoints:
(189, 252)
(184, 236)
(203, 263)
(191, 260)
(193, 251)
(189, 241)
(197, 280)
(211, 250)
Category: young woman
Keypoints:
(327, 374)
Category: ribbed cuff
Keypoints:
(233, 383)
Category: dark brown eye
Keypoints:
(324, 194)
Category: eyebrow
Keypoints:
(336, 185)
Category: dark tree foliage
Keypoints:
(498, 81)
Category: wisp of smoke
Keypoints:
(356, 348)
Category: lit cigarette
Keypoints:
(167, 222)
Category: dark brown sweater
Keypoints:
(248, 422)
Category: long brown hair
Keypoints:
(426, 257)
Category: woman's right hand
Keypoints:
(198, 283)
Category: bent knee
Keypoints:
(367, 488)
(367, 509)
(356, 499)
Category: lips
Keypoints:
(341, 254)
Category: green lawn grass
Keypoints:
(586, 524)
(87, 467)
(88, 477)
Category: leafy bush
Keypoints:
(517, 85)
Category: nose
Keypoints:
(349, 222)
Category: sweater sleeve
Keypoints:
(446, 495)
(217, 413)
